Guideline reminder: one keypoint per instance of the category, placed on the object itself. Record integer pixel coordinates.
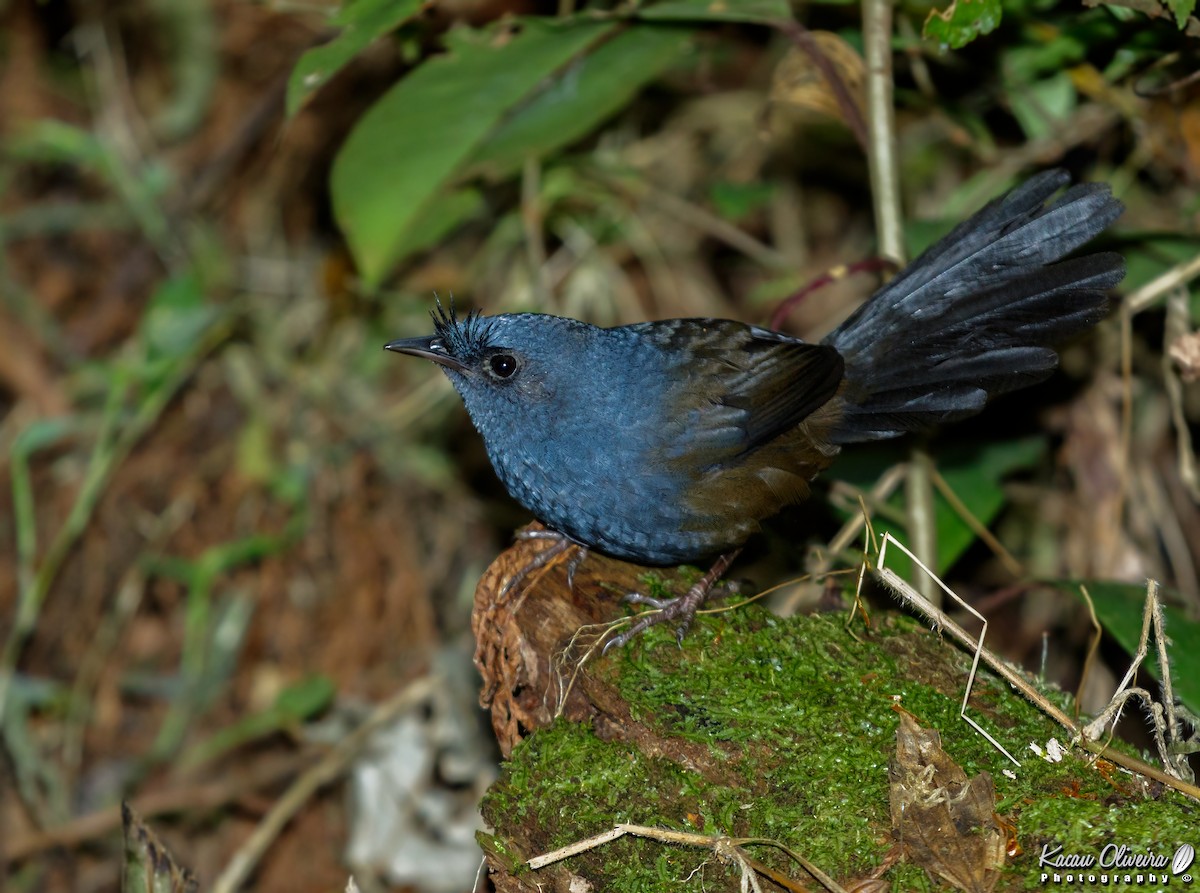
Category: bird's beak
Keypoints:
(428, 348)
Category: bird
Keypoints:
(671, 441)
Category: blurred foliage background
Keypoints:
(230, 524)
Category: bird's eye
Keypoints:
(502, 365)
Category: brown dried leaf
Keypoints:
(523, 628)
(944, 821)
(536, 642)
(800, 83)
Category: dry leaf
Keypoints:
(943, 821)
(800, 83)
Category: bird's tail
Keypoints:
(974, 315)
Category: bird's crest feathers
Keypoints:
(461, 337)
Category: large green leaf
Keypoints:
(444, 214)
(976, 476)
(1119, 607)
(589, 91)
(414, 141)
(361, 21)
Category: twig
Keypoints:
(706, 222)
(883, 488)
(1154, 500)
(1014, 678)
(1165, 725)
(885, 190)
(922, 520)
(977, 527)
(1126, 432)
(125, 604)
(196, 797)
(1085, 125)
(1175, 278)
(110, 452)
(835, 274)
(881, 150)
(1181, 274)
(1093, 647)
(122, 128)
(330, 768)
(894, 582)
(531, 221)
(726, 849)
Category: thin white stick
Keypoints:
(897, 583)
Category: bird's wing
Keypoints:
(745, 386)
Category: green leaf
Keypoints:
(447, 212)
(1041, 107)
(294, 705)
(962, 22)
(255, 453)
(586, 93)
(1149, 255)
(38, 435)
(413, 142)
(977, 478)
(735, 201)
(362, 23)
(1036, 58)
(42, 433)
(50, 141)
(759, 12)
(1182, 10)
(975, 475)
(1119, 607)
(176, 318)
(306, 698)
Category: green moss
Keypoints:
(655, 585)
(799, 718)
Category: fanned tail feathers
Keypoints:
(975, 315)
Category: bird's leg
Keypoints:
(560, 544)
(681, 610)
(573, 562)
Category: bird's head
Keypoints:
(518, 360)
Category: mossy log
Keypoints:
(788, 730)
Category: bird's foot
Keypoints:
(682, 610)
(560, 544)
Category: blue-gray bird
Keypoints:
(669, 442)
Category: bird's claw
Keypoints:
(573, 564)
(682, 609)
(560, 544)
(637, 598)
